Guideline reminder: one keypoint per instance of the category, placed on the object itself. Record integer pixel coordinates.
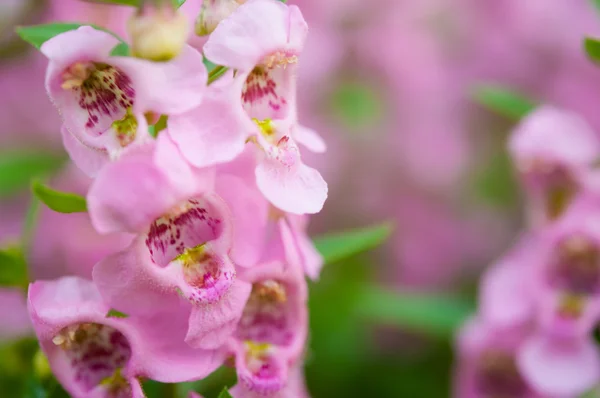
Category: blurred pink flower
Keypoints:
(96, 355)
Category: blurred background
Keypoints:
(392, 85)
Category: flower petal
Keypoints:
(211, 325)
(559, 368)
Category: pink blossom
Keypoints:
(487, 362)
(104, 100)
(257, 106)
(553, 151)
(270, 336)
(95, 355)
(568, 271)
(185, 238)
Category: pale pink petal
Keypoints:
(560, 368)
(211, 325)
(82, 44)
(166, 87)
(298, 190)
(131, 283)
(215, 132)
(253, 31)
(250, 213)
(310, 139)
(90, 160)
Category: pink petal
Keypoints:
(559, 368)
(82, 44)
(90, 160)
(310, 139)
(213, 133)
(170, 87)
(253, 31)
(131, 283)
(250, 213)
(300, 190)
(211, 325)
(132, 192)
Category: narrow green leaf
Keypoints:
(36, 35)
(112, 313)
(180, 2)
(17, 169)
(216, 73)
(13, 268)
(434, 315)
(336, 247)
(592, 48)
(120, 50)
(225, 393)
(62, 202)
(503, 101)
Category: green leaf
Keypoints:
(434, 315)
(336, 247)
(503, 101)
(112, 313)
(180, 2)
(17, 169)
(225, 393)
(36, 35)
(62, 202)
(13, 268)
(592, 49)
(596, 3)
(120, 50)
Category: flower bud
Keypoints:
(157, 34)
(213, 12)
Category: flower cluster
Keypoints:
(539, 305)
(215, 203)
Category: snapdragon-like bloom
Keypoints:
(185, 240)
(568, 270)
(270, 336)
(256, 105)
(96, 355)
(487, 363)
(550, 350)
(553, 151)
(104, 100)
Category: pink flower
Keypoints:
(568, 271)
(553, 150)
(560, 367)
(94, 355)
(270, 336)
(487, 364)
(104, 100)
(185, 238)
(262, 41)
(295, 387)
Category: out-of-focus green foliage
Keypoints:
(592, 48)
(339, 246)
(18, 168)
(503, 101)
